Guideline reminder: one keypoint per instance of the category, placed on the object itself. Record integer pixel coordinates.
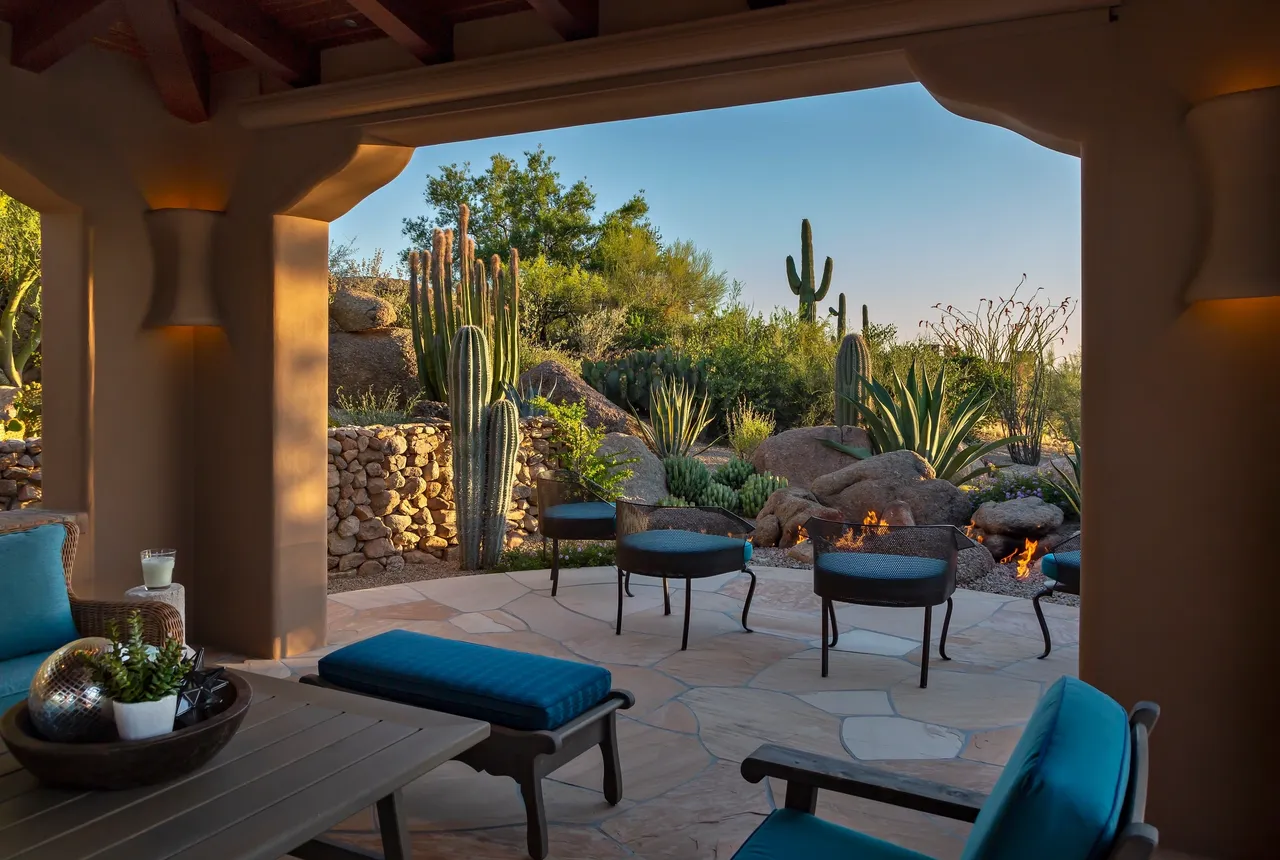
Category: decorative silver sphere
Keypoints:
(65, 703)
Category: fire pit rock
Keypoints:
(1030, 517)
(896, 477)
(790, 507)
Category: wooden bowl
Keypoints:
(123, 764)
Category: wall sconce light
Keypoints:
(1238, 137)
(182, 251)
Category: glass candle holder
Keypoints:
(157, 568)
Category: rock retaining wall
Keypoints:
(20, 474)
(391, 494)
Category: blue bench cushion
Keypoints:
(870, 565)
(581, 511)
(1060, 795)
(35, 614)
(15, 678)
(681, 542)
(788, 833)
(506, 688)
(1063, 567)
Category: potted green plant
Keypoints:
(142, 680)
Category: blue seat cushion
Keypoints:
(35, 614)
(870, 565)
(506, 688)
(681, 542)
(581, 511)
(1061, 794)
(15, 678)
(788, 834)
(1062, 567)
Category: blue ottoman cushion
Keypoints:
(506, 688)
(1062, 567)
(581, 511)
(789, 833)
(35, 615)
(1061, 794)
(870, 565)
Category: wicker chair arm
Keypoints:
(160, 621)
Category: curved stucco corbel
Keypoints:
(370, 167)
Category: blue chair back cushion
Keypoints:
(788, 834)
(15, 678)
(1061, 794)
(506, 688)
(35, 613)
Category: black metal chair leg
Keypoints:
(826, 605)
(555, 566)
(627, 585)
(924, 651)
(830, 608)
(746, 607)
(946, 625)
(666, 597)
(688, 611)
(618, 631)
(1044, 625)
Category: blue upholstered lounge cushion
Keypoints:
(1060, 795)
(1062, 567)
(788, 834)
(581, 511)
(679, 542)
(507, 688)
(15, 678)
(870, 565)
(35, 612)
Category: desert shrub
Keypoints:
(532, 354)
(368, 409)
(1004, 486)
(747, 427)
(30, 406)
(581, 448)
(572, 554)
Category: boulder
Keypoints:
(799, 455)
(802, 552)
(792, 507)
(356, 310)
(881, 482)
(768, 530)
(376, 361)
(9, 395)
(1031, 517)
(561, 385)
(973, 563)
(648, 481)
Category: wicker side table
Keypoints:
(175, 595)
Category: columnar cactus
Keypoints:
(803, 283)
(504, 441)
(757, 490)
(840, 318)
(469, 384)
(866, 321)
(853, 365)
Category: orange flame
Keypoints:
(851, 540)
(1023, 558)
(802, 535)
(971, 532)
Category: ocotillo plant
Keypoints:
(469, 385)
(853, 365)
(504, 442)
(840, 318)
(802, 283)
(440, 304)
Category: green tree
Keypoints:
(20, 319)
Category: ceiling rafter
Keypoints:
(50, 32)
(175, 56)
(251, 33)
(572, 19)
(413, 24)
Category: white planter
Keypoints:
(140, 720)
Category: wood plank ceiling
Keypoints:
(185, 41)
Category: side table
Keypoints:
(175, 595)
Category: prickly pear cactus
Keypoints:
(469, 386)
(853, 364)
(716, 495)
(504, 442)
(686, 476)
(734, 473)
(757, 490)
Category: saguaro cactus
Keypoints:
(840, 317)
(866, 321)
(853, 364)
(504, 441)
(469, 385)
(803, 283)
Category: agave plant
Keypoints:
(1069, 486)
(677, 419)
(528, 401)
(913, 417)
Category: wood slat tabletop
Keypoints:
(305, 759)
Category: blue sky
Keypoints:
(914, 204)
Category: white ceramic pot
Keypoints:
(140, 720)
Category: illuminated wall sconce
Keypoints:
(182, 250)
(1238, 137)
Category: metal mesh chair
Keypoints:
(682, 543)
(569, 508)
(1061, 569)
(882, 565)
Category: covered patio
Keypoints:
(699, 712)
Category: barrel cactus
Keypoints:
(504, 442)
(803, 283)
(716, 495)
(686, 476)
(734, 473)
(853, 371)
(757, 490)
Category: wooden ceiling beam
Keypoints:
(572, 19)
(251, 33)
(413, 24)
(51, 30)
(174, 55)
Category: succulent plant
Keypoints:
(468, 386)
(803, 283)
(716, 495)
(734, 473)
(677, 418)
(853, 369)
(630, 381)
(840, 317)
(686, 476)
(757, 490)
(673, 502)
(503, 444)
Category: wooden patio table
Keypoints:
(304, 760)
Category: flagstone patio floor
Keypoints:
(700, 712)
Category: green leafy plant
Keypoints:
(1069, 483)
(716, 495)
(572, 554)
(756, 491)
(580, 448)
(734, 473)
(30, 406)
(526, 400)
(134, 672)
(748, 427)
(678, 418)
(673, 502)
(686, 476)
(13, 429)
(914, 417)
(21, 318)
(1006, 486)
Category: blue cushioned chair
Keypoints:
(1061, 571)
(570, 509)
(1075, 788)
(686, 543)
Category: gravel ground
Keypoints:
(408, 573)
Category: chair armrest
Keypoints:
(160, 621)
(806, 773)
